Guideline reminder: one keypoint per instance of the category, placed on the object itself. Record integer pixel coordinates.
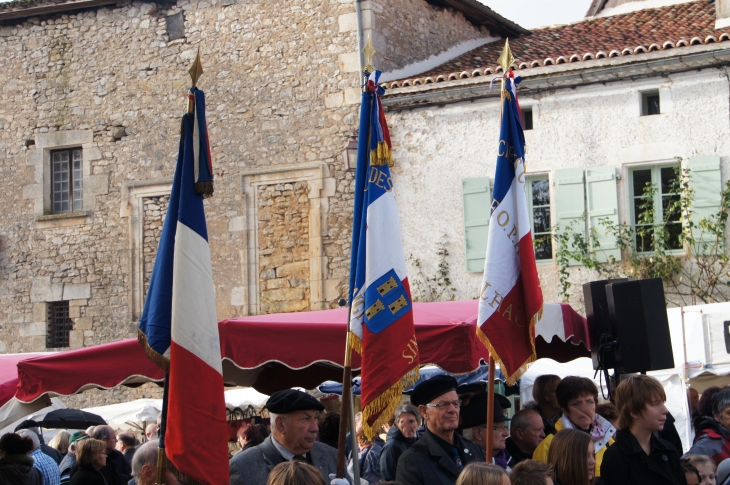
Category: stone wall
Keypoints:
(283, 247)
(155, 209)
(407, 31)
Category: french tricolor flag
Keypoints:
(179, 324)
(510, 298)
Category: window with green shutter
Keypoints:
(706, 182)
(654, 197)
(602, 209)
(538, 200)
(477, 198)
(570, 201)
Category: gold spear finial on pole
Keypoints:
(196, 70)
(369, 51)
(505, 58)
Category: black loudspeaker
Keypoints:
(599, 321)
(639, 313)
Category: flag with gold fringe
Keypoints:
(381, 309)
(510, 297)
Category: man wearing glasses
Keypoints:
(440, 454)
(474, 425)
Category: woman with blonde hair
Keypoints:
(60, 442)
(571, 455)
(543, 391)
(480, 473)
(90, 457)
(295, 472)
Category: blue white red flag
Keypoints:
(381, 309)
(510, 299)
(179, 324)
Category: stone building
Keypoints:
(91, 97)
(608, 101)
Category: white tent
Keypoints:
(244, 397)
(670, 379)
(48, 434)
(129, 415)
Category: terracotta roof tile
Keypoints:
(636, 32)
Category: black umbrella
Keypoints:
(64, 418)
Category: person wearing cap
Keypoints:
(69, 460)
(294, 426)
(474, 426)
(440, 453)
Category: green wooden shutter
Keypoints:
(477, 198)
(569, 199)
(706, 180)
(602, 202)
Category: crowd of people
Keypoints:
(95, 456)
(565, 437)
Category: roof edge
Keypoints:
(480, 14)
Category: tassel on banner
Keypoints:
(355, 343)
(385, 405)
(523, 368)
(381, 156)
(159, 360)
(204, 189)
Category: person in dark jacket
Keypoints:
(638, 455)
(368, 459)
(440, 454)
(713, 433)
(400, 437)
(91, 457)
(543, 391)
(16, 467)
(69, 460)
(248, 436)
(116, 471)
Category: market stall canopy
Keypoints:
(129, 415)
(279, 351)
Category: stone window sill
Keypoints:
(64, 219)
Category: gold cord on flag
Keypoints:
(159, 360)
(381, 156)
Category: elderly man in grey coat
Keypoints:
(294, 417)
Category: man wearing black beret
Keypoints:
(474, 426)
(440, 454)
(294, 426)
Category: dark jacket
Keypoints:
(116, 471)
(52, 452)
(19, 470)
(369, 461)
(395, 445)
(515, 454)
(427, 463)
(252, 467)
(669, 433)
(625, 462)
(86, 475)
(713, 440)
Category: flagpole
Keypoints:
(196, 70)
(346, 404)
(505, 60)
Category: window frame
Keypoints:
(75, 177)
(530, 207)
(645, 102)
(524, 110)
(658, 209)
(52, 323)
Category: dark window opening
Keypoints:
(650, 103)
(175, 26)
(59, 325)
(527, 119)
(67, 180)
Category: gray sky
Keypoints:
(540, 13)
